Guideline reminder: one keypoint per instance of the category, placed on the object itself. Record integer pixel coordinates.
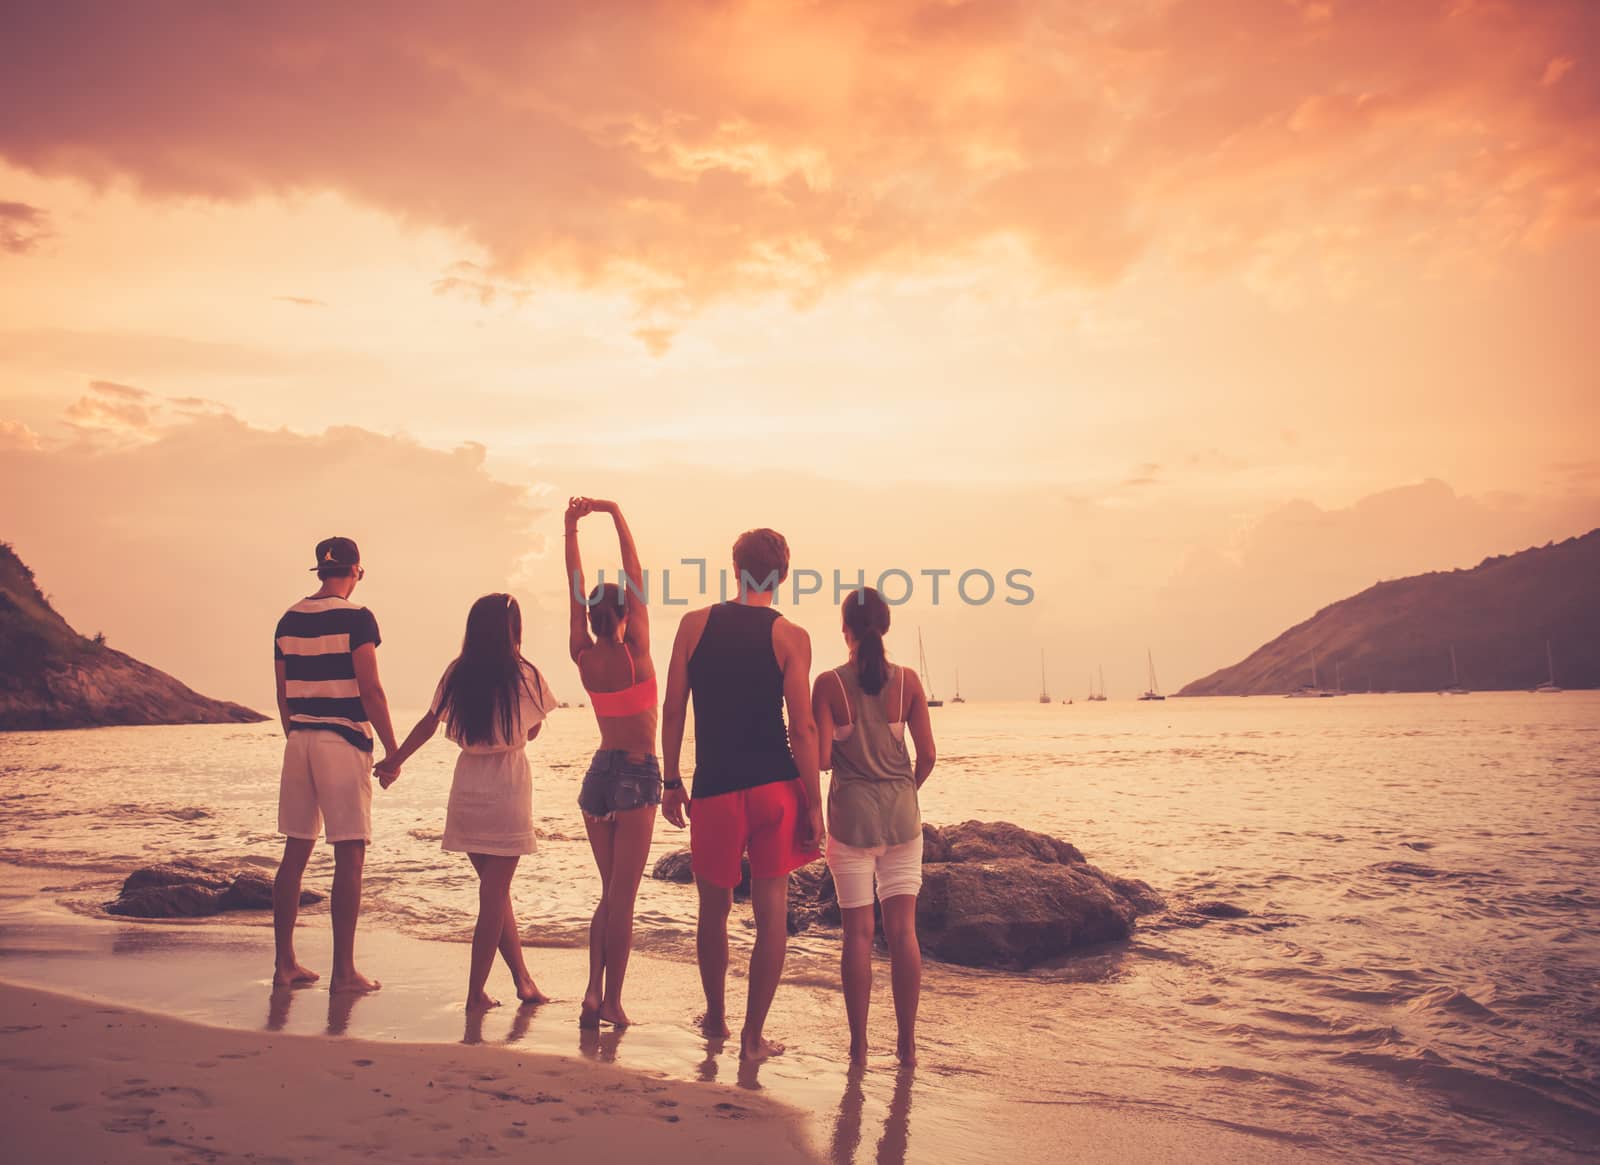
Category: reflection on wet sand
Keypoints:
(711, 1065)
(278, 1008)
(896, 1137)
(600, 1043)
(520, 1022)
(340, 1005)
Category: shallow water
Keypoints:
(1419, 976)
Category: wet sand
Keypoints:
(177, 1023)
(86, 1081)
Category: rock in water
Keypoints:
(188, 889)
(1016, 912)
(993, 895)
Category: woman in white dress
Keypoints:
(492, 702)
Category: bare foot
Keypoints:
(906, 1053)
(354, 981)
(589, 1016)
(613, 1013)
(758, 1049)
(481, 1002)
(858, 1055)
(714, 1027)
(293, 975)
(528, 992)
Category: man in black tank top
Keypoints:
(756, 786)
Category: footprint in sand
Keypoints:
(362, 1063)
(66, 1106)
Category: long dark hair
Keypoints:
(867, 616)
(485, 685)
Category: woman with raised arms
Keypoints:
(609, 639)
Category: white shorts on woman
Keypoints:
(896, 869)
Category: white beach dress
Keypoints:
(491, 796)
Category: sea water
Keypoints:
(1417, 976)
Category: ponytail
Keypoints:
(867, 617)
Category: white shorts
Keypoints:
(896, 868)
(325, 778)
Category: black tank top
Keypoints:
(739, 736)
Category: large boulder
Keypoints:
(993, 895)
(1016, 912)
(189, 889)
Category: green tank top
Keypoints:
(872, 798)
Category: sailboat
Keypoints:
(1044, 688)
(1097, 694)
(1455, 688)
(922, 668)
(1154, 691)
(1550, 684)
(957, 699)
(1313, 690)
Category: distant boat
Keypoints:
(1044, 688)
(1097, 694)
(1550, 684)
(1455, 688)
(1153, 692)
(922, 667)
(1313, 690)
(956, 699)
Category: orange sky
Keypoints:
(1206, 312)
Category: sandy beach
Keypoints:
(86, 1081)
(164, 1042)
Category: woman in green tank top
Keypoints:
(864, 709)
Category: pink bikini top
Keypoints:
(639, 696)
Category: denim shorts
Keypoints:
(615, 784)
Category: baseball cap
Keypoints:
(337, 552)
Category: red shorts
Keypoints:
(767, 820)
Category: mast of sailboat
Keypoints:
(1455, 672)
(1314, 668)
(1102, 681)
(1151, 661)
(1550, 660)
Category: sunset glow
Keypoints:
(1207, 312)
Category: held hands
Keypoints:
(388, 771)
(813, 833)
(675, 806)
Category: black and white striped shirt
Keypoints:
(316, 639)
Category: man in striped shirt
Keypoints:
(330, 702)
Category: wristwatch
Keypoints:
(676, 783)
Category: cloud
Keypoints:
(299, 300)
(124, 392)
(697, 151)
(22, 227)
(209, 524)
(475, 282)
(16, 435)
(658, 341)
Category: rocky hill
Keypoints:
(52, 677)
(1398, 635)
